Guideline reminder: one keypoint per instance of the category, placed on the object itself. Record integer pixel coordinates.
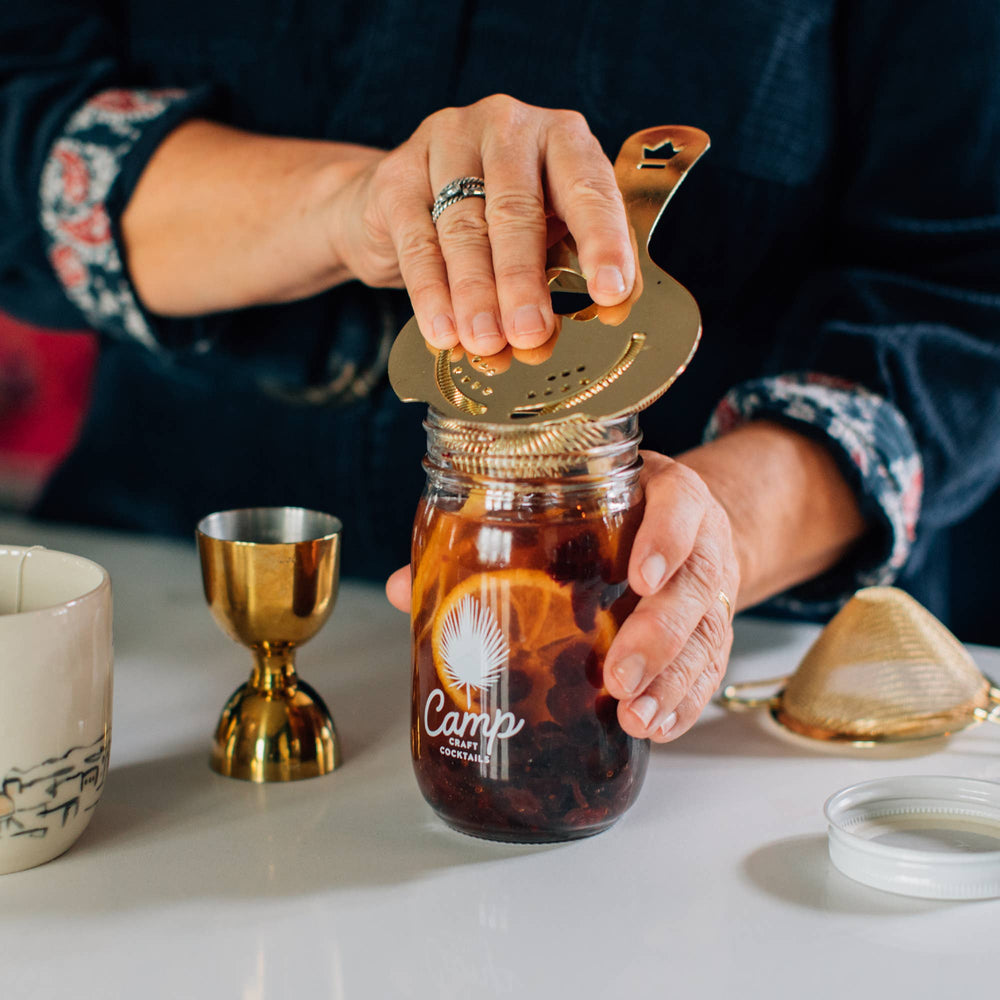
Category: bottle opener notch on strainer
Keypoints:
(602, 361)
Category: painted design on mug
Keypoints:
(52, 793)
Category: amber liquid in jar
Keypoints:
(519, 587)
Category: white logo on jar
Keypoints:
(473, 648)
(474, 653)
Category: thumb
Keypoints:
(397, 589)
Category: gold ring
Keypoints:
(729, 607)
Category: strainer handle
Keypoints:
(993, 715)
(733, 699)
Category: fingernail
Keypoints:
(609, 280)
(644, 707)
(484, 327)
(667, 724)
(630, 672)
(443, 326)
(528, 320)
(653, 570)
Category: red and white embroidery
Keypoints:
(868, 431)
(121, 104)
(69, 267)
(77, 177)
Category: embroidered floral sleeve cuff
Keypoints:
(86, 182)
(874, 449)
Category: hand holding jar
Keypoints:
(670, 653)
(747, 515)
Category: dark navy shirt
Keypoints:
(845, 222)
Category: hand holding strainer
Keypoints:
(603, 361)
(884, 670)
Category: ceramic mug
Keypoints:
(55, 700)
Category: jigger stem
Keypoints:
(275, 727)
(274, 668)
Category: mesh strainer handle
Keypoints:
(993, 715)
(733, 698)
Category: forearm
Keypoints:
(223, 219)
(792, 513)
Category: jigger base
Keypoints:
(275, 735)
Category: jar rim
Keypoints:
(572, 446)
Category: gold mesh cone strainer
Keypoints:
(884, 670)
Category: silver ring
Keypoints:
(453, 192)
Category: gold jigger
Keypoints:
(271, 576)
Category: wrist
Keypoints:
(340, 191)
(336, 193)
(224, 219)
(727, 482)
(793, 515)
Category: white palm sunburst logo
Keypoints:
(473, 648)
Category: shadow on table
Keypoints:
(171, 829)
(737, 734)
(754, 634)
(755, 734)
(798, 870)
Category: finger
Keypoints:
(397, 589)
(689, 709)
(582, 189)
(515, 214)
(402, 194)
(555, 230)
(675, 698)
(463, 235)
(662, 624)
(535, 356)
(676, 504)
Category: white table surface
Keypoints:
(190, 885)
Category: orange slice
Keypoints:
(489, 617)
(444, 538)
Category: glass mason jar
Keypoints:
(520, 564)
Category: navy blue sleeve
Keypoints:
(908, 304)
(874, 448)
(61, 190)
(78, 124)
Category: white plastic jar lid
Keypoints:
(927, 836)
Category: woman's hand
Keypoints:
(748, 515)
(478, 275)
(222, 219)
(671, 653)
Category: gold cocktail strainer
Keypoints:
(535, 410)
(884, 670)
